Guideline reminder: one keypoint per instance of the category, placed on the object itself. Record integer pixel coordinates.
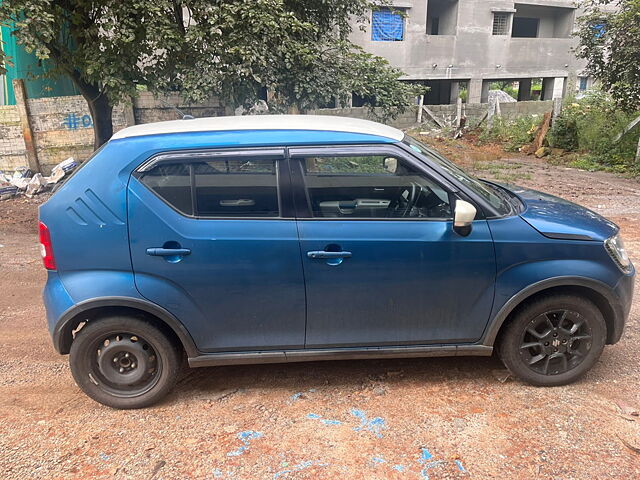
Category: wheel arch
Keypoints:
(599, 293)
(93, 309)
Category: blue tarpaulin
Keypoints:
(387, 26)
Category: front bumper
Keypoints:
(624, 293)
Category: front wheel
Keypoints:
(124, 362)
(554, 340)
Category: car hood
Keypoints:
(558, 218)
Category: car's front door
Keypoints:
(381, 261)
(213, 243)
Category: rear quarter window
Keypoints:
(220, 188)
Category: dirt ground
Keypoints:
(450, 418)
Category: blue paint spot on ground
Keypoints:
(326, 421)
(399, 468)
(426, 455)
(296, 396)
(300, 466)
(245, 437)
(104, 456)
(460, 466)
(378, 460)
(374, 426)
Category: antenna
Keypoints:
(184, 115)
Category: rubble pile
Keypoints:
(24, 182)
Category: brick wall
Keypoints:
(446, 113)
(12, 148)
(147, 109)
(62, 126)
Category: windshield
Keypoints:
(490, 193)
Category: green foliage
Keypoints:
(232, 49)
(610, 42)
(512, 133)
(590, 125)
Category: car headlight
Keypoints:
(615, 248)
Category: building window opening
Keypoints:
(524, 27)
(442, 17)
(538, 21)
(387, 25)
(583, 83)
(501, 23)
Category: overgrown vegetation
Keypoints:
(610, 43)
(590, 127)
(511, 133)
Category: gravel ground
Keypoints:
(432, 418)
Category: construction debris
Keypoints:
(24, 181)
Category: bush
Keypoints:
(590, 125)
(512, 133)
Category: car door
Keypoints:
(381, 261)
(213, 241)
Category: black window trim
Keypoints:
(301, 200)
(283, 178)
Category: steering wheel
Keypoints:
(416, 190)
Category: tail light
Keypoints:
(46, 249)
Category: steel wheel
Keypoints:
(124, 365)
(555, 342)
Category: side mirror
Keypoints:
(463, 217)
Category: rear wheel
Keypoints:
(124, 362)
(553, 341)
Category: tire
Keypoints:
(538, 346)
(124, 362)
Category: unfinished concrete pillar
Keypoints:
(455, 92)
(548, 87)
(475, 90)
(524, 91)
(484, 98)
(558, 87)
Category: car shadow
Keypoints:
(291, 378)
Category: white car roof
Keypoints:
(327, 123)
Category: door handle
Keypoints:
(323, 254)
(167, 252)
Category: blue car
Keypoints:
(264, 239)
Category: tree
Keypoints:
(233, 49)
(610, 42)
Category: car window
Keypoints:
(233, 187)
(236, 188)
(372, 186)
(171, 182)
(502, 206)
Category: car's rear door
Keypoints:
(213, 240)
(382, 263)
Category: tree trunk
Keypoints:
(102, 115)
(100, 109)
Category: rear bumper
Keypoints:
(56, 301)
